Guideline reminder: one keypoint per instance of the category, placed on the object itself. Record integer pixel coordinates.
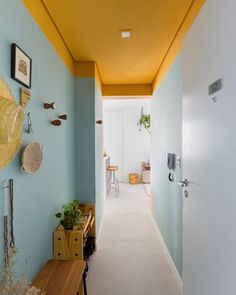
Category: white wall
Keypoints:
(124, 143)
(99, 163)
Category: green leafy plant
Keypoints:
(144, 122)
(70, 215)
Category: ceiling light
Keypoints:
(125, 34)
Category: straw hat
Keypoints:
(11, 124)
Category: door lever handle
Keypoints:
(183, 182)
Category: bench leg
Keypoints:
(84, 283)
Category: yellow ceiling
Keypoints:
(90, 31)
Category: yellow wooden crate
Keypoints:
(69, 244)
(133, 178)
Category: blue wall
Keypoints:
(38, 196)
(85, 139)
(89, 144)
(167, 137)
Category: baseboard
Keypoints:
(167, 254)
(99, 231)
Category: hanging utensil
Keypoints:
(29, 124)
(5, 222)
(11, 192)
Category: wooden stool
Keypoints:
(62, 277)
(113, 181)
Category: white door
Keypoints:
(209, 153)
(113, 139)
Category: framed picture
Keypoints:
(21, 65)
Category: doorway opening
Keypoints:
(130, 257)
(127, 143)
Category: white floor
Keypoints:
(129, 258)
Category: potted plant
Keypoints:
(70, 216)
(76, 229)
(144, 122)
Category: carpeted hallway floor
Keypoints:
(129, 258)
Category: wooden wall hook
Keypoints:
(47, 105)
(56, 122)
(99, 122)
(63, 117)
(25, 97)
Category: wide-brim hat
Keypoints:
(11, 125)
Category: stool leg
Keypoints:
(113, 183)
(110, 181)
(118, 186)
(113, 177)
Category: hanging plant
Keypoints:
(144, 121)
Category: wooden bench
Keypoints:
(61, 277)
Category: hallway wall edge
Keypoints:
(167, 254)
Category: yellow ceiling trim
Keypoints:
(98, 77)
(88, 69)
(177, 43)
(85, 69)
(127, 90)
(39, 12)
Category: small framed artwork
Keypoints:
(21, 66)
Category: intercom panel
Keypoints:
(171, 161)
